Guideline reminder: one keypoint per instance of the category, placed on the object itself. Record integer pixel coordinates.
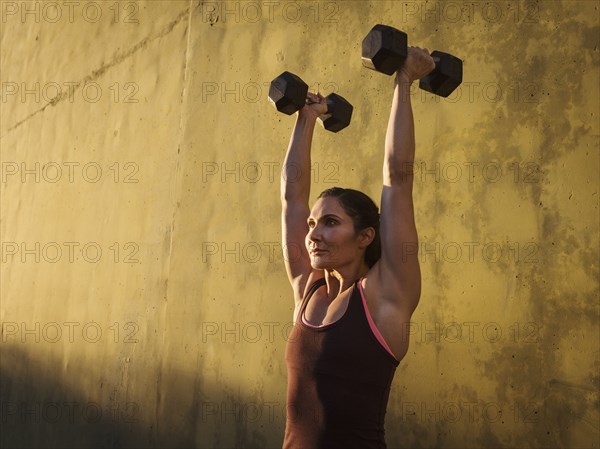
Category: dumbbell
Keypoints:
(288, 94)
(385, 49)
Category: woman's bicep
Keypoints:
(294, 229)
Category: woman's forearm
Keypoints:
(400, 137)
(295, 174)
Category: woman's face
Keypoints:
(331, 240)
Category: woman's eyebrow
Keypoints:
(323, 217)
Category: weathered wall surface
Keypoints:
(144, 301)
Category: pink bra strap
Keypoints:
(372, 323)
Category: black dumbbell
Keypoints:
(385, 49)
(288, 94)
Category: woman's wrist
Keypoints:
(403, 78)
(307, 117)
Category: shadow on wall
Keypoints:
(39, 409)
(43, 407)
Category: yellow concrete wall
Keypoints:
(141, 129)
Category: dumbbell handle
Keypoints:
(338, 113)
(330, 103)
(309, 102)
(327, 103)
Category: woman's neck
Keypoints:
(341, 280)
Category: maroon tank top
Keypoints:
(339, 378)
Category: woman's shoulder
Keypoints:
(315, 279)
(303, 284)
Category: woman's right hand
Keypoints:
(418, 64)
(317, 106)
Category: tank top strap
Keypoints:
(355, 302)
(314, 286)
(360, 312)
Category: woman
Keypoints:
(356, 282)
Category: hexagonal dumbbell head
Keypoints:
(288, 93)
(339, 113)
(446, 76)
(384, 49)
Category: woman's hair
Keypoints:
(364, 214)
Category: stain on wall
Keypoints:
(144, 300)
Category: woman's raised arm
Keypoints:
(399, 270)
(295, 192)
